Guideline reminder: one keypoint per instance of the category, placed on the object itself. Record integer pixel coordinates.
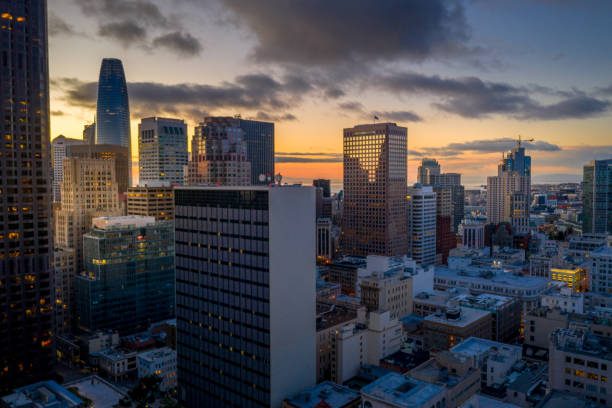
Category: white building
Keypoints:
(395, 390)
(472, 233)
(160, 362)
(325, 247)
(59, 146)
(601, 270)
(162, 150)
(422, 224)
(565, 299)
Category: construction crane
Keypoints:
(521, 140)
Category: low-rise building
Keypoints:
(45, 394)
(574, 278)
(601, 270)
(445, 330)
(398, 391)
(325, 394)
(160, 362)
(345, 271)
(118, 364)
(505, 312)
(565, 299)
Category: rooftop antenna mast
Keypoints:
(521, 140)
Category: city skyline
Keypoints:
(464, 91)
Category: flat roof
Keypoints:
(126, 220)
(242, 188)
(492, 275)
(402, 391)
(334, 395)
(468, 316)
(474, 346)
(102, 393)
(566, 399)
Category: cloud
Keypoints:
(266, 117)
(308, 157)
(351, 106)
(483, 147)
(471, 97)
(398, 116)
(126, 32)
(323, 33)
(605, 91)
(140, 10)
(57, 113)
(257, 93)
(57, 26)
(181, 43)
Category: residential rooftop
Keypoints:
(467, 316)
(582, 342)
(474, 346)
(401, 391)
(42, 395)
(101, 392)
(151, 355)
(494, 275)
(332, 394)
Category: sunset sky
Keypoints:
(465, 77)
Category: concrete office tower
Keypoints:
(26, 349)
(259, 137)
(245, 284)
(428, 168)
(374, 218)
(126, 290)
(65, 270)
(89, 134)
(597, 197)
(59, 146)
(445, 238)
(113, 111)
(118, 154)
(601, 270)
(324, 184)
(421, 215)
(151, 201)
(89, 190)
(472, 234)
(162, 151)
(508, 193)
(219, 154)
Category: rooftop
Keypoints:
(475, 346)
(603, 251)
(122, 221)
(161, 353)
(566, 399)
(334, 395)
(466, 317)
(526, 380)
(483, 274)
(581, 342)
(102, 393)
(40, 395)
(402, 391)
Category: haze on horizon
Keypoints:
(465, 77)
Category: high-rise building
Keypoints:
(113, 110)
(245, 288)
(427, 169)
(325, 239)
(597, 197)
(324, 184)
(119, 154)
(374, 213)
(151, 201)
(64, 272)
(219, 154)
(162, 150)
(601, 270)
(421, 216)
(259, 137)
(473, 234)
(508, 193)
(89, 134)
(89, 190)
(130, 288)
(445, 238)
(26, 256)
(59, 146)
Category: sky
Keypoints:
(465, 77)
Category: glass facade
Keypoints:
(223, 297)
(597, 197)
(129, 277)
(375, 205)
(162, 151)
(259, 137)
(113, 111)
(26, 257)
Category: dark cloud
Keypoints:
(606, 91)
(351, 106)
(256, 92)
(334, 93)
(471, 97)
(336, 155)
(483, 146)
(140, 10)
(266, 117)
(57, 113)
(126, 32)
(322, 32)
(301, 159)
(398, 116)
(57, 26)
(181, 43)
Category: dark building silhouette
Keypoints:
(259, 137)
(26, 255)
(325, 184)
(113, 112)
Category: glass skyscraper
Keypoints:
(259, 137)
(113, 112)
(597, 197)
(26, 300)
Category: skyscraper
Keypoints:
(429, 175)
(259, 137)
(428, 168)
(151, 201)
(508, 193)
(59, 145)
(597, 197)
(325, 184)
(113, 111)
(219, 154)
(245, 288)
(421, 217)
(375, 206)
(89, 134)
(162, 151)
(119, 154)
(26, 255)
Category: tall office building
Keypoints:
(428, 168)
(597, 197)
(113, 110)
(118, 154)
(445, 238)
(162, 150)
(126, 290)
(375, 206)
(151, 201)
(59, 146)
(219, 154)
(324, 184)
(89, 134)
(508, 193)
(245, 301)
(259, 137)
(421, 215)
(89, 190)
(64, 272)
(26, 254)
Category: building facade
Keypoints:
(58, 152)
(240, 333)
(118, 154)
(259, 138)
(162, 151)
(113, 109)
(65, 270)
(597, 197)
(89, 134)
(151, 201)
(324, 184)
(472, 234)
(27, 252)
(421, 216)
(128, 281)
(160, 362)
(601, 270)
